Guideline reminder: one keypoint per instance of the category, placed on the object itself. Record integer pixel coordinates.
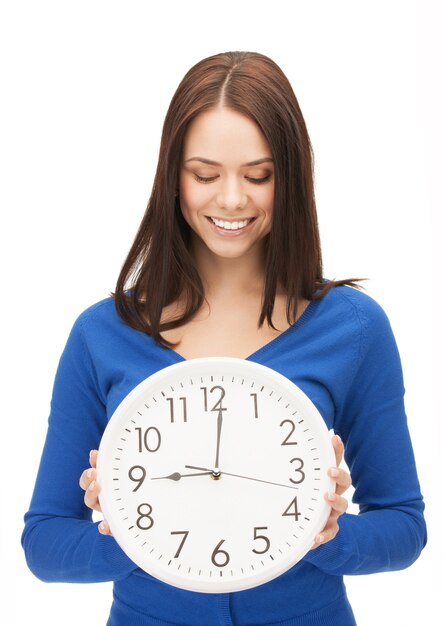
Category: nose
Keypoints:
(232, 195)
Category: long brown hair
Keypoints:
(159, 267)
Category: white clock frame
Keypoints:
(256, 396)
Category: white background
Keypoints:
(85, 86)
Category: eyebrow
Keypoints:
(210, 162)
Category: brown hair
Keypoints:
(159, 267)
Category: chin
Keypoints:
(233, 251)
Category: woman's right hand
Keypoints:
(88, 482)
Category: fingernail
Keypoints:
(89, 473)
(334, 471)
(92, 485)
(338, 438)
(102, 526)
(331, 496)
(320, 538)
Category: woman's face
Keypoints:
(226, 183)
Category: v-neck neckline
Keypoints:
(258, 354)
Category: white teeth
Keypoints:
(230, 225)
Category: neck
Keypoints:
(230, 278)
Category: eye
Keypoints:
(202, 179)
(259, 181)
(256, 181)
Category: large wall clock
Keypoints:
(213, 473)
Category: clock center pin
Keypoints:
(216, 474)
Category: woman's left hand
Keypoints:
(335, 500)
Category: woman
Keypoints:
(227, 262)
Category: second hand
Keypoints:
(259, 480)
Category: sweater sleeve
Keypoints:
(389, 532)
(60, 540)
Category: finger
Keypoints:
(338, 447)
(93, 458)
(87, 477)
(338, 504)
(342, 479)
(91, 497)
(104, 528)
(327, 534)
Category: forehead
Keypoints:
(225, 136)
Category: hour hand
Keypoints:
(177, 476)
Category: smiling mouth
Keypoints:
(234, 225)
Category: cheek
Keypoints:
(192, 200)
(268, 202)
(185, 189)
(192, 197)
(186, 201)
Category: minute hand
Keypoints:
(219, 429)
(259, 480)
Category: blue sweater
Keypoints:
(343, 354)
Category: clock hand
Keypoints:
(219, 429)
(259, 480)
(204, 469)
(176, 476)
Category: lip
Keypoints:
(230, 233)
(224, 219)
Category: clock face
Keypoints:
(213, 473)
